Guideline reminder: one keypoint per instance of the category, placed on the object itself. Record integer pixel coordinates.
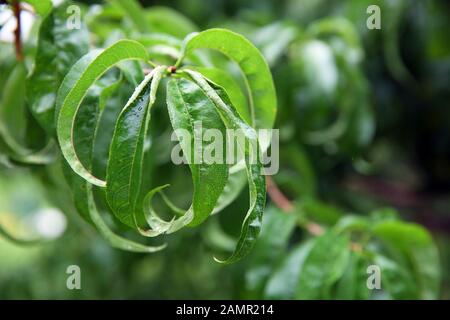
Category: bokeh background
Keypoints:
(364, 123)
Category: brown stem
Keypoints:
(286, 205)
(277, 196)
(18, 31)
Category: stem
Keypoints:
(282, 202)
(278, 197)
(286, 205)
(18, 31)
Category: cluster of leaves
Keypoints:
(92, 106)
(334, 264)
(75, 92)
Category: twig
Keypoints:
(18, 31)
(277, 196)
(286, 205)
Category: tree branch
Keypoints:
(18, 31)
(282, 202)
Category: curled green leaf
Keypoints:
(257, 76)
(251, 225)
(126, 153)
(59, 47)
(190, 113)
(113, 239)
(13, 123)
(85, 132)
(99, 63)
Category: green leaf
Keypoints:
(59, 47)
(236, 180)
(323, 266)
(397, 281)
(113, 239)
(274, 40)
(105, 128)
(415, 249)
(352, 223)
(91, 67)
(126, 153)
(215, 237)
(134, 11)
(319, 211)
(235, 184)
(250, 149)
(276, 230)
(311, 269)
(42, 7)
(282, 283)
(20, 241)
(353, 284)
(13, 122)
(230, 85)
(166, 20)
(12, 104)
(189, 108)
(297, 158)
(337, 26)
(85, 132)
(254, 68)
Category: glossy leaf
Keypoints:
(85, 131)
(230, 85)
(59, 47)
(126, 153)
(257, 187)
(271, 246)
(311, 269)
(323, 266)
(91, 68)
(189, 108)
(13, 123)
(113, 239)
(237, 178)
(413, 243)
(353, 284)
(282, 284)
(257, 76)
(235, 184)
(396, 280)
(274, 40)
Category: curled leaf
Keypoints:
(190, 113)
(59, 47)
(126, 153)
(250, 148)
(93, 66)
(257, 76)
